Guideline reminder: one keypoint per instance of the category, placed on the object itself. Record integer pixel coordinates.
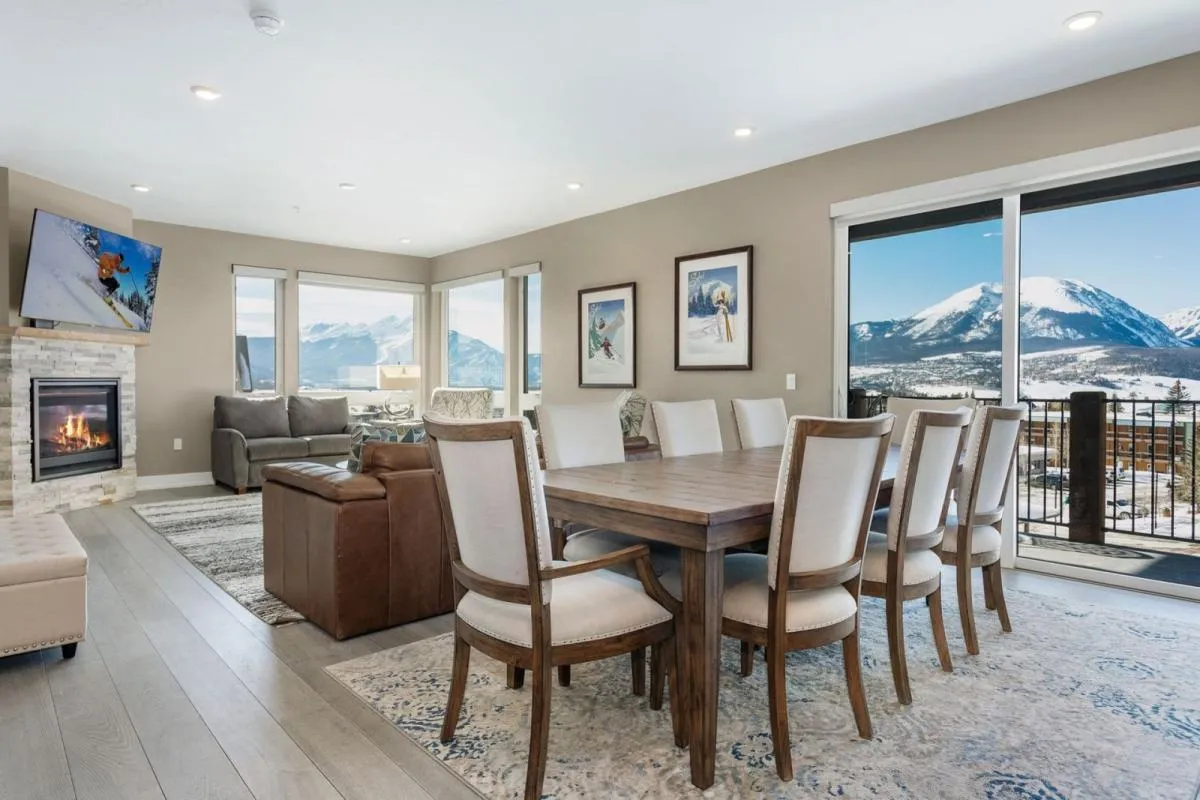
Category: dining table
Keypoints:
(704, 505)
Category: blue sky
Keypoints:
(1145, 250)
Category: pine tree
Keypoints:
(1177, 393)
(1185, 483)
(152, 283)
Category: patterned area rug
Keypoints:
(1076, 703)
(222, 537)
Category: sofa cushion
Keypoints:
(316, 416)
(331, 483)
(328, 444)
(39, 548)
(273, 447)
(256, 419)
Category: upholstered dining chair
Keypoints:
(687, 428)
(904, 562)
(903, 408)
(513, 603)
(760, 423)
(973, 533)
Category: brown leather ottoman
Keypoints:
(357, 552)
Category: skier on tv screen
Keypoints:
(107, 265)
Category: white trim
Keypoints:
(353, 282)
(243, 271)
(841, 319)
(1133, 156)
(457, 282)
(1106, 578)
(148, 483)
(1010, 340)
(523, 270)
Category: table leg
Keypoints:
(703, 590)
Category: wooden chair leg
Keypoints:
(852, 661)
(671, 662)
(747, 659)
(997, 583)
(458, 687)
(637, 664)
(777, 698)
(989, 601)
(515, 677)
(895, 633)
(558, 541)
(658, 671)
(934, 601)
(564, 675)
(539, 727)
(966, 608)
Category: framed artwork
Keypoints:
(608, 337)
(714, 310)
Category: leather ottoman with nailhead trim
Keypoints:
(43, 585)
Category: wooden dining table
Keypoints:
(704, 505)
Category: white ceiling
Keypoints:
(461, 121)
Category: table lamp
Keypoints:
(399, 378)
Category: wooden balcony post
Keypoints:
(1088, 466)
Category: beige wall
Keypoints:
(784, 213)
(26, 193)
(4, 225)
(190, 357)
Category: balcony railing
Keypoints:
(1150, 461)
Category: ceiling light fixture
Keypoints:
(347, 187)
(406, 241)
(742, 133)
(205, 92)
(574, 186)
(137, 187)
(1081, 22)
(266, 21)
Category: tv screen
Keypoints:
(80, 273)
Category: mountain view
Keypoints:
(1073, 336)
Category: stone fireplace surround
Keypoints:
(27, 353)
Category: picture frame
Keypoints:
(607, 329)
(714, 310)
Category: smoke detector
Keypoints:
(266, 21)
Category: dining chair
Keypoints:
(973, 538)
(903, 408)
(904, 563)
(512, 602)
(687, 428)
(760, 423)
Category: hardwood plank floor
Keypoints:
(179, 693)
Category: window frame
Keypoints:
(279, 276)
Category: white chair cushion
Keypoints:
(40, 548)
(583, 608)
(761, 423)
(984, 539)
(581, 435)
(919, 566)
(597, 542)
(746, 596)
(687, 428)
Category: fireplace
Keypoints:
(76, 426)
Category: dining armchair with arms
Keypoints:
(513, 602)
(973, 533)
(687, 428)
(903, 562)
(760, 423)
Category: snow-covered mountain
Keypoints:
(1055, 312)
(1185, 324)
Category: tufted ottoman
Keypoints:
(43, 585)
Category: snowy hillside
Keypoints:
(1185, 324)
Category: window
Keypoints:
(475, 337)
(349, 328)
(531, 315)
(256, 332)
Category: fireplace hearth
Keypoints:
(76, 426)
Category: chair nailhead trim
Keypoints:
(25, 648)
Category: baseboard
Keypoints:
(147, 483)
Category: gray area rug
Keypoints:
(222, 537)
(1078, 702)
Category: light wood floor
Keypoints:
(179, 692)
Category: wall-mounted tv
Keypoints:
(83, 274)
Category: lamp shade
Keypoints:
(399, 377)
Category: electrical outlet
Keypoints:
(791, 381)
(179, 444)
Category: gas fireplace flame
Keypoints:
(74, 434)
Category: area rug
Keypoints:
(1078, 702)
(222, 537)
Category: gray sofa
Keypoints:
(250, 434)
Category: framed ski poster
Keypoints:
(608, 337)
(714, 310)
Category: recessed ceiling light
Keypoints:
(574, 186)
(1081, 22)
(347, 187)
(205, 92)
(406, 241)
(137, 187)
(742, 133)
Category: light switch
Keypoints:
(791, 381)
(179, 444)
